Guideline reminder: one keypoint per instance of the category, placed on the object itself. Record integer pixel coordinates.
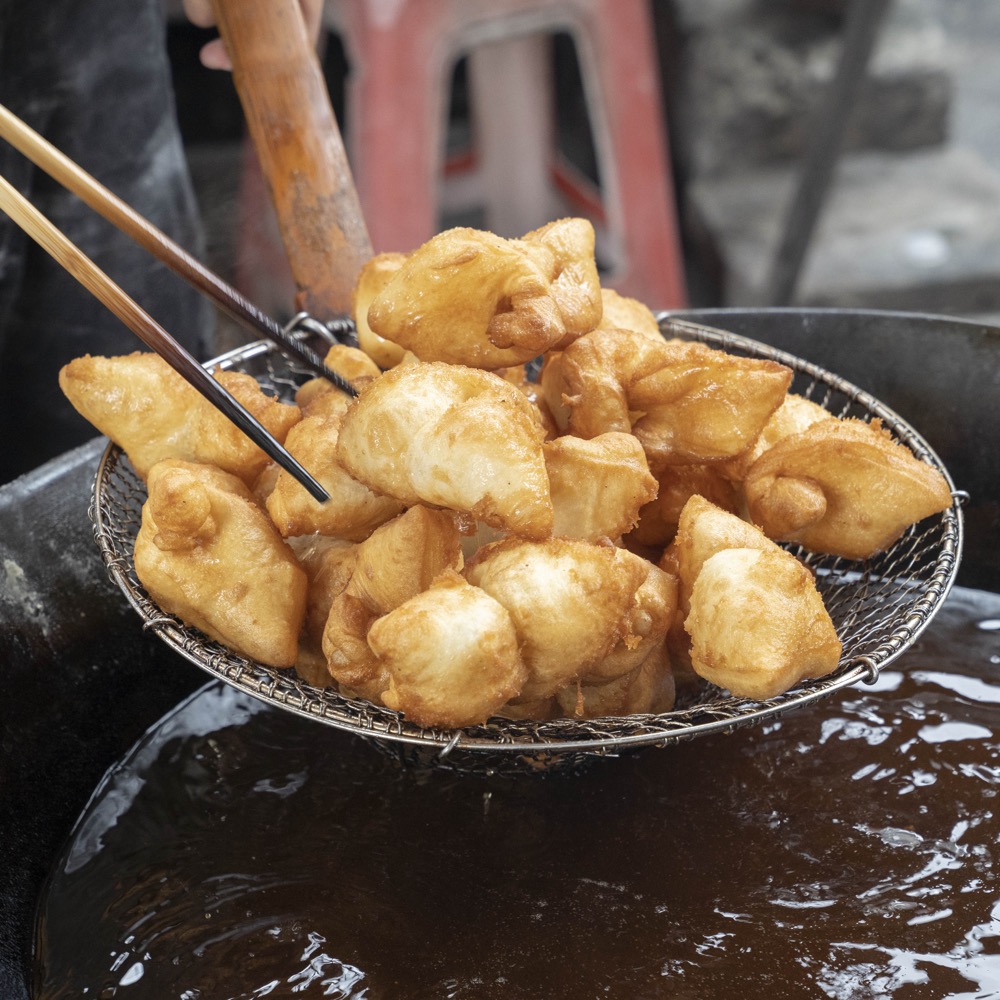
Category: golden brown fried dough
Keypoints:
(396, 563)
(373, 277)
(208, 554)
(152, 413)
(321, 395)
(623, 313)
(651, 614)
(328, 563)
(597, 485)
(685, 402)
(472, 298)
(570, 602)
(401, 558)
(452, 437)
(795, 415)
(575, 284)
(676, 484)
(703, 530)
(451, 654)
(649, 687)
(842, 487)
(353, 510)
(757, 623)
(349, 658)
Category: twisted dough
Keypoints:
(152, 413)
(685, 402)
(842, 487)
(472, 298)
(572, 603)
(451, 654)
(207, 553)
(453, 437)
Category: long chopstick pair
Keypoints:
(54, 242)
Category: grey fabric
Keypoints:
(93, 77)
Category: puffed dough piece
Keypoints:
(758, 625)
(649, 687)
(703, 530)
(570, 602)
(452, 437)
(472, 298)
(401, 558)
(842, 487)
(329, 564)
(397, 562)
(451, 654)
(353, 510)
(651, 614)
(372, 278)
(623, 313)
(575, 283)
(795, 415)
(658, 520)
(597, 485)
(152, 413)
(685, 402)
(208, 554)
(320, 395)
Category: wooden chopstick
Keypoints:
(77, 263)
(73, 177)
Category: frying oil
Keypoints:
(847, 849)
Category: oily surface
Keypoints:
(847, 849)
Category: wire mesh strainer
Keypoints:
(879, 606)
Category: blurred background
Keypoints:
(816, 156)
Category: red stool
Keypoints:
(402, 55)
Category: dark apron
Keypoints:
(93, 77)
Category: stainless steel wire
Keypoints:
(880, 606)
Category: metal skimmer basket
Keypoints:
(879, 606)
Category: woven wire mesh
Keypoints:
(879, 606)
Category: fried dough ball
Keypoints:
(349, 658)
(576, 285)
(353, 510)
(451, 653)
(570, 602)
(649, 617)
(518, 376)
(676, 484)
(152, 413)
(842, 487)
(685, 402)
(703, 529)
(208, 554)
(401, 558)
(795, 415)
(597, 485)
(372, 278)
(649, 687)
(472, 298)
(453, 437)
(623, 313)
(329, 564)
(398, 561)
(757, 623)
(321, 395)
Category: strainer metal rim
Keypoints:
(713, 712)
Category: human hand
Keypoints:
(214, 55)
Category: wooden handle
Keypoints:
(298, 142)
